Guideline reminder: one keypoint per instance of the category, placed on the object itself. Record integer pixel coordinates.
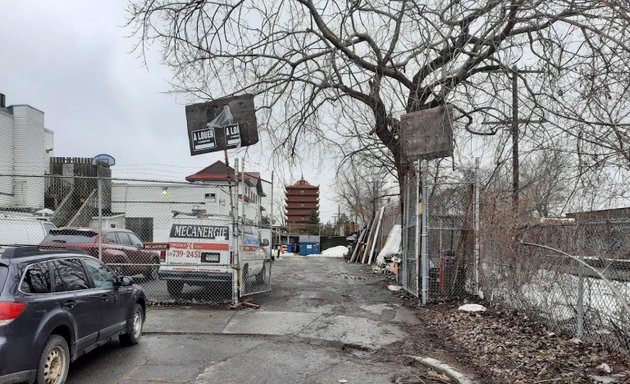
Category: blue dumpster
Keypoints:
(289, 247)
(309, 249)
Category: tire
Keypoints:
(54, 361)
(174, 288)
(152, 273)
(135, 327)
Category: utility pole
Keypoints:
(514, 132)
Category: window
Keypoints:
(134, 240)
(123, 237)
(101, 276)
(4, 271)
(72, 274)
(111, 238)
(57, 283)
(211, 197)
(302, 191)
(36, 279)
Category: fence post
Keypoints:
(579, 332)
(476, 219)
(100, 214)
(425, 232)
(234, 214)
(405, 234)
(271, 223)
(418, 229)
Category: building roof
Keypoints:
(216, 171)
(613, 213)
(219, 171)
(303, 184)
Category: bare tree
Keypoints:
(547, 182)
(360, 190)
(319, 67)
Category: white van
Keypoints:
(202, 251)
(23, 230)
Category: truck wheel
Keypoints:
(175, 288)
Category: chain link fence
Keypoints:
(183, 242)
(571, 273)
(451, 241)
(575, 276)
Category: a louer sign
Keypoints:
(224, 123)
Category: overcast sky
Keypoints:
(73, 61)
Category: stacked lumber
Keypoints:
(365, 247)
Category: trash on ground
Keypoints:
(604, 368)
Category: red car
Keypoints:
(120, 247)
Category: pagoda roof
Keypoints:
(302, 184)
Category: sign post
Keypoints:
(218, 125)
(425, 135)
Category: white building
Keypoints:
(25, 150)
(148, 208)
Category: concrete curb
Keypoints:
(444, 368)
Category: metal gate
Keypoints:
(253, 243)
(254, 272)
(411, 241)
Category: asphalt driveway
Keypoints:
(325, 321)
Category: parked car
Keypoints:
(119, 247)
(56, 305)
(23, 230)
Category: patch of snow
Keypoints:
(554, 294)
(394, 288)
(472, 308)
(338, 251)
(392, 245)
